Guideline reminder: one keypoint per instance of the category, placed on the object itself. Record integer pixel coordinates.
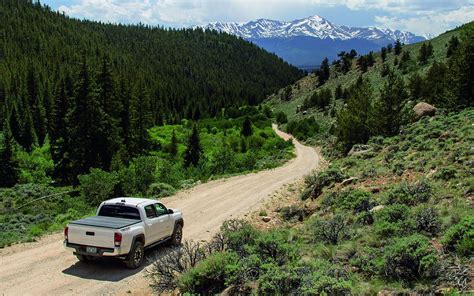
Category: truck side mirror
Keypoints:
(170, 211)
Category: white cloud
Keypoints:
(419, 16)
(430, 24)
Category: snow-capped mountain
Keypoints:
(314, 26)
(305, 42)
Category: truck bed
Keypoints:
(106, 222)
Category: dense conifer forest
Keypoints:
(93, 89)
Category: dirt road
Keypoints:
(45, 268)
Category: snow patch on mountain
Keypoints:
(314, 26)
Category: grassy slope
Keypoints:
(305, 87)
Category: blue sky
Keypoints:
(418, 16)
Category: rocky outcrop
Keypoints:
(423, 109)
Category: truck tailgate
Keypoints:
(97, 231)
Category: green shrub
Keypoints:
(460, 237)
(427, 221)
(281, 118)
(235, 234)
(211, 274)
(409, 258)
(410, 194)
(160, 190)
(98, 185)
(273, 246)
(393, 220)
(316, 182)
(278, 280)
(330, 231)
(446, 173)
(291, 212)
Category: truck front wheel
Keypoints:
(177, 235)
(136, 256)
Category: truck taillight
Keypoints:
(117, 239)
(66, 231)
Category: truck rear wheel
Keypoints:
(177, 235)
(136, 256)
(83, 258)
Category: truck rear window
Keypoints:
(119, 211)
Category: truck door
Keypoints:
(167, 223)
(152, 224)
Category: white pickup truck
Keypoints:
(123, 228)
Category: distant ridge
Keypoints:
(307, 41)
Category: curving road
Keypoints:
(45, 268)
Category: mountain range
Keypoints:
(305, 42)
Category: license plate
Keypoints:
(91, 249)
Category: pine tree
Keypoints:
(111, 107)
(58, 134)
(383, 54)
(426, 51)
(246, 127)
(354, 120)
(388, 108)
(453, 45)
(173, 148)
(193, 152)
(140, 119)
(85, 127)
(8, 164)
(324, 71)
(35, 103)
(389, 48)
(397, 48)
(461, 72)
(437, 86)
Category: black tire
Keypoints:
(177, 235)
(83, 258)
(136, 256)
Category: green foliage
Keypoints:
(137, 178)
(281, 118)
(410, 258)
(317, 181)
(320, 99)
(158, 190)
(303, 129)
(193, 152)
(460, 237)
(330, 231)
(8, 165)
(209, 276)
(98, 185)
(410, 194)
(393, 220)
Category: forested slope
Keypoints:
(93, 89)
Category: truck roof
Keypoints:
(129, 201)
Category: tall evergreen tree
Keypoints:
(173, 149)
(354, 120)
(35, 103)
(8, 164)
(452, 45)
(85, 127)
(140, 119)
(193, 152)
(58, 136)
(383, 54)
(388, 108)
(324, 71)
(246, 127)
(461, 73)
(397, 48)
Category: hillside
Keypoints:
(391, 214)
(186, 72)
